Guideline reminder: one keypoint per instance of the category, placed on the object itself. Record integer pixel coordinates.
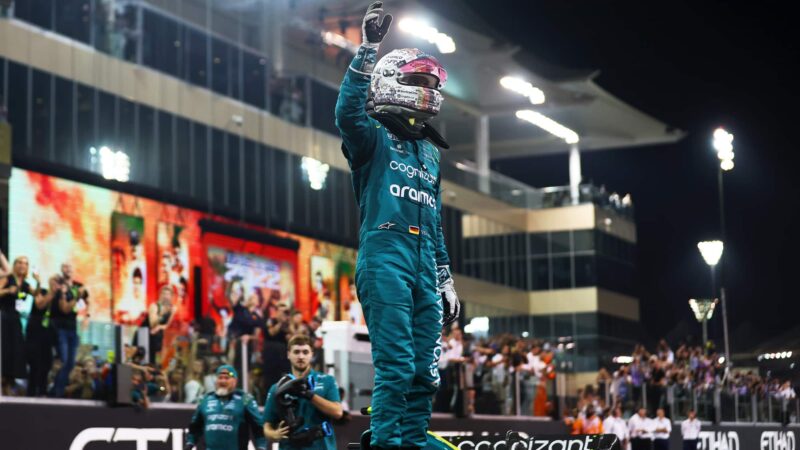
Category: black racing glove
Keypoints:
(373, 29)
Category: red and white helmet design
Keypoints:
(407, 81)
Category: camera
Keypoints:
(299, 435)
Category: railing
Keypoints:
(521, 195)
(714, 404)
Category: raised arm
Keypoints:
(358, 130)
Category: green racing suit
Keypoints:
(226, 422)
(397, 186)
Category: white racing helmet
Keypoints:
(407, 82)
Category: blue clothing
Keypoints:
(397, 186)
(226, 422)
(325, 386)
(66, 347)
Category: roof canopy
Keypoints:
(481, 58)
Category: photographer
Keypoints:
(317, 402)
(70, 298)
(221, 414)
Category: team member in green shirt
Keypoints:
(221, 414)
(317, 401)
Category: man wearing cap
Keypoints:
(318, 400)
(221, 414)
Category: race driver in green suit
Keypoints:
(402, 273)
(227, 417)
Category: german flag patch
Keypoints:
(413, 230)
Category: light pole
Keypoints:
(703, 310)
(723, 144)
(712, 253)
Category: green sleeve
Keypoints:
(357, 129)
(271, 409)
(196, 425)
(442, 258)
(331, 389)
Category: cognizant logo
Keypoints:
(413, 194)
(584, 443)
(411, 171)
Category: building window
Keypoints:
(41, 114)
(218, 167)
(542, 327)
(222, 63)
(182, 169)
(234, 173)
(199, 162)
(562, 272)
(162, 45)
(560, 242)
(65, 121)
(255, 79)
(539, 274)
(583, 240)
(538, 244)
(37, 12)
(146, 164)
(251, 169)
(18, 106)
(85, 131)
(72, 19)
(166, 150)
(280, 175)
(196, 52)
(585, 271)
(324, 102)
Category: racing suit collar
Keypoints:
(400, 127)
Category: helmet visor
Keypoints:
(419, 79)
(424, 66)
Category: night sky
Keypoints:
(695, 66)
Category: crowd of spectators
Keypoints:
(652, 379)
(501, 374)
(486, 375)
(42, 355)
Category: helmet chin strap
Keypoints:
(407, 128)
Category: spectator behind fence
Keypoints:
(159, 318)
(193, 388)
(13, 289)
(40, 338)
(690, 431)
(243, 328)
(70, 299)
(274, 354)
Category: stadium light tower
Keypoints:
(723, 144)
(712, 253)
(703, 310)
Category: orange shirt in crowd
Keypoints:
(592, 426)
(577, 426)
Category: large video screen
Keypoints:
(125, 248)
